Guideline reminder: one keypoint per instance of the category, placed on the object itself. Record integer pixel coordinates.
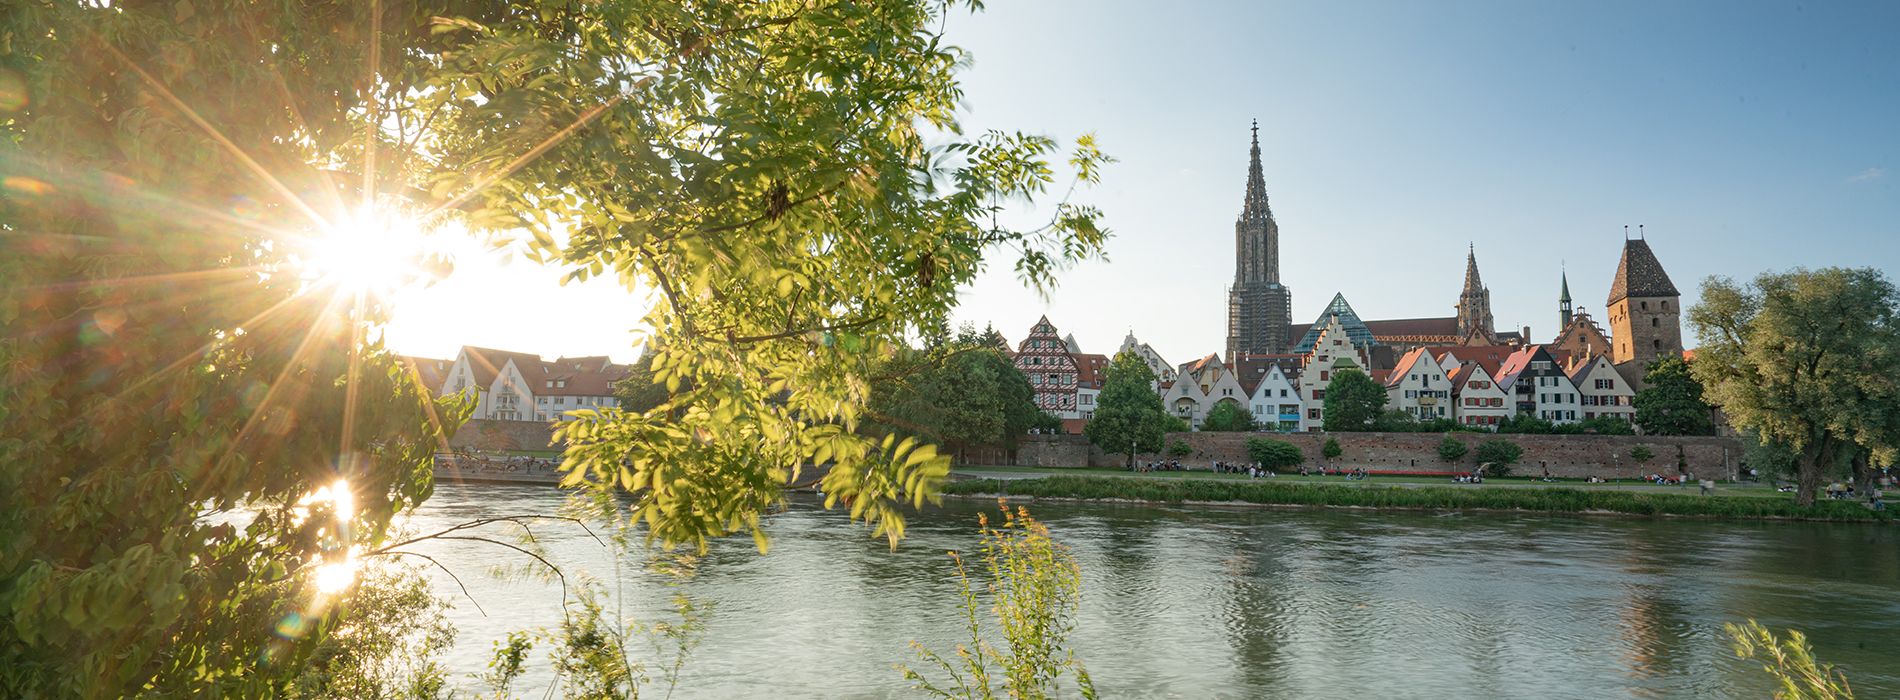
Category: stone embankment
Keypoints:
(1564, 456)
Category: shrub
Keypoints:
(1228, 417)
(1274, 454)
(1452, 449)
(1641, 453)
(1497, 456)
(1179, 448)
(1331, 450)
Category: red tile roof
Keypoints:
(567, 376)
(1490, 357)
(1090, 370)
(429, 371)
(1414, 328)
(1403, 366)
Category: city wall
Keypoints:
(497, 435)
(1580, 456)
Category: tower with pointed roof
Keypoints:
(1259, 307)
(1563, 303)
(1474, 303)
(1645, 311)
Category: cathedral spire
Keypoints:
(1472, 282)
(1255, 208)
(1474, 303)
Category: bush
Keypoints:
(1452, 449)
(1608, 425)
(1274, 455)
(1228, 417)
(1527, 424)
(1497, 456)
(1179, 448)
(1331, 450)
(1173, 424)
(1642, 453)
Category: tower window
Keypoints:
(1645, 305)
(1655, 321)
(1658, 343)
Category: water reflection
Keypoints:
(1262, 603)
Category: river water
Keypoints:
(1233, 603)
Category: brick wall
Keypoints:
(484, 434)
(1578, 456)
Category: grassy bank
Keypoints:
(1551, 500)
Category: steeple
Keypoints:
(1563, 304)
(1474, 303)
(1259, 308)
(1255, 208)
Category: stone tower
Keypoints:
(1474, 303)
(1645, 311)
(1563, 304)
(1259, 308)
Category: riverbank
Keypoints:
(1475, 498)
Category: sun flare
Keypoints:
(371, 251)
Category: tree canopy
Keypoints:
(1228, 417)
(786, 181)
(1128, 417)
(1805, 359)
(1353, 401)
(1273, 454)
(962, 394)
(1672, 402)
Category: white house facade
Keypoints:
(1417, 386)
(1603, 390)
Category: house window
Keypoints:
(1604, 384)
(1283, 393)
(1312, 413)
(1323, 374)
(1319, 393)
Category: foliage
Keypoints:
(1525, 423)
(1772, 459)
(1790, 660)
(1353, 401)
(166, 363)
(1128, 415)
(1034, 585)
(1606, 425)
(1373, 495)
(1179, 448)
(1331, 450)
(1672, 403)
(1642, 453)
(507, 662)
(1805, 359)
(1171, 423)
(1274, 455)
(638, 391)
(1228, 417)
(962, 393)
(386, 643)
(1497, 456)
(1452, 449)
(1045, 422)
(1397, 420)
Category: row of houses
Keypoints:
(519, 386)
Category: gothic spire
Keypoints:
(1563, 304)
(1472, 282)
(1255, 208)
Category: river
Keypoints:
(1241, 603)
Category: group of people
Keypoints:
(496, 463)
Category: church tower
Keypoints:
(1645, 311)
(1259, 308)
(1563, 304)
(1474, 303)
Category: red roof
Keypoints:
(1490, 357)
(567, 376)
(1404, 365)
(1073, 426)
(1090, 370)
(428, 370)
(1414, 327)
(486, 363)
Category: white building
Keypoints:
(1476, 398)
(1276, 401)
(1417, 386)
(1604, 391)
(523, 387)
(1539, 387)
(1332, 351)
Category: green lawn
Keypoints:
(1632, 486)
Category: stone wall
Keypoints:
(496, 435)
(1579, 456)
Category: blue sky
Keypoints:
(1745, 136)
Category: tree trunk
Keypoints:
(1815, 459)
(1863, 473)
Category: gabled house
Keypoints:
(520, 386)
(1417, 386)
(1333, 349)
(1091, 372)
(1045, 359)
(1604, 391)
(1275, 398)
(1476, 398)
(1183, 399)
(1539, 386)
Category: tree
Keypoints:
(1171, 423)
(1128, 417)
(1452, 449)
(1353, 401)
(1274, 455)
(791, 184)
(1525, 423)
(1496, 456)
(961, 394)
(1045, 422)
(1805, 359)
(1228, 417)
(1330, 450)
(1672, 403)
(1642, 454)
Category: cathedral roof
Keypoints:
(1255, 207)
(1640, 274)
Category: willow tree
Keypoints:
(182, 337)
(1805, 359)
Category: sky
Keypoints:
(1743, 136)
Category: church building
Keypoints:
(1259, 308)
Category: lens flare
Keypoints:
(371, 251)
(336, 577)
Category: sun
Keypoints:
(371, 251)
